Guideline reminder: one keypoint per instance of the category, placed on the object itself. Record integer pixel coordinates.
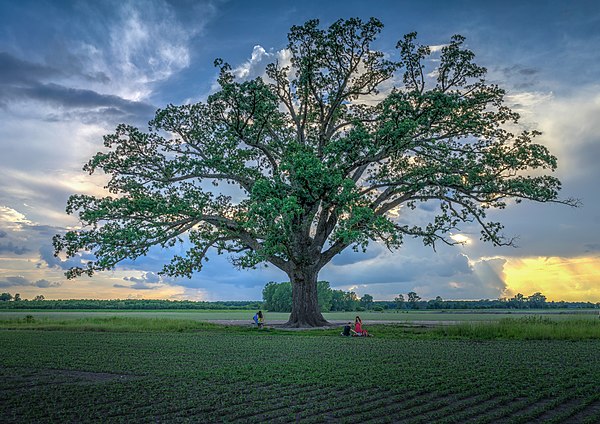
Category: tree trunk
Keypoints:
(305, 306)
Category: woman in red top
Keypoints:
(358, 327)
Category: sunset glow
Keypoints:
(569, 279)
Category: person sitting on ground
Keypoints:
(259, 319)
(358, 327)
(348, 331)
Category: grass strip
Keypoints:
(525, 328)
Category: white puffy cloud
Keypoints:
(256, 65)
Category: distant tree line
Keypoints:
(9, 302)
(5, 297)
(277, 297)
(519, 301)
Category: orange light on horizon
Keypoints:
(569, 279)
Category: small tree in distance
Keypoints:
(366, 301)
(400, 303)
(5, 297)
(320, 162)
(413, 298)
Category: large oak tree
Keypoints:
(321, 157)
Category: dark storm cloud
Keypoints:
(21, 80)
(16, 71)
(592, 247)
(20, 239)
(511, 71)
(14, 281)
(74, 98)
(400, 267)
(73, 64)
(79, 98)
(47, 255)
(35, 237)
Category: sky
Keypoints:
(70, 71)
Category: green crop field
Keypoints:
(198, 372)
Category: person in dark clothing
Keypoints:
(347, 330)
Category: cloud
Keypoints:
(17, 71)
(145, 46)
(215, 273)
(437, 48)
(11, 217)
(255, 66)
(22, 236)
(136, 286)
(403, 266)
(23, 81)
(76, 104)
(570, 130)
(448, 273)
(518, 70)
(592, 247)
(147, 277)
(11, 248)
(147, 281)
(108, 67)
(20, 281)
(349, 256)
(526, 102)
(490, 281)
(59, 97)
(46, 284)
(46, 252)
(517, 77)
(570, 279)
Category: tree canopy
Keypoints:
(323, 149)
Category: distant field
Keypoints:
(215, 374)
(246, 315)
